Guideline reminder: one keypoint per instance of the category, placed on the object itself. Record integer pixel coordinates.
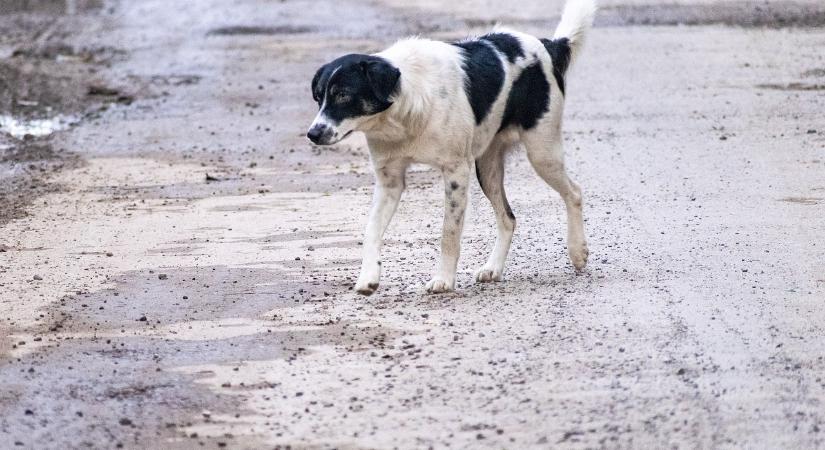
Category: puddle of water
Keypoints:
(19, 128)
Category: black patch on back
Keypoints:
(485, 76)
(507, 44)
(529, 99)
(559, 51)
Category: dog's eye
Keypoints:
(341, 97)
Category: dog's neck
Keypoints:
(399, 124)
(386, 127)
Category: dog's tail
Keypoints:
(576, 21)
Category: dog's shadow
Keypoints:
(515, 286)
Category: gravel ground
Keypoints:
(177, 269)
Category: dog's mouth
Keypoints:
(346, 135)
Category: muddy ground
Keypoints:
(177, 262)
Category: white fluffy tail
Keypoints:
(576, 21)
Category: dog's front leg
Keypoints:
(456, 186)
(389, 185)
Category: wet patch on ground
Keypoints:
(741, 14)
(147, 83)
(132, 376)
(182, 294)
(134, 400)
(49, 6)
(35, 88)
(48, 83)
(62, 52)
(804, 200)
(248, 30)
(25, 169)
(795, 86)
(814, 73)
(232, 181)
(350, 20)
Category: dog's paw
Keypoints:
(486, 275)
(366, 289)
(439, 286)
(579, 256)
(367, 282)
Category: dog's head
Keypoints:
(348, 91)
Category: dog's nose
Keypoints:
(316, 133)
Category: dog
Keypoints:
(459, 107)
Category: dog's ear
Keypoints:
(383, 78)
(317, 91)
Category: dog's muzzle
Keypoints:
(320, 133)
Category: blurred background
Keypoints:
(177, 261)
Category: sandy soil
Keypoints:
(180, 275)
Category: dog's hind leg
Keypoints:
(490, 173)
(545, 152)
(456, 187)
(389, 185)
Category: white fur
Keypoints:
(576, 22)
(431, 122)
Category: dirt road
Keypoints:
(176, 266)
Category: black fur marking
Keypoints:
(509, 211)
(529, 99)
(454, 185)
(485, 76)
(355, 85)
(559, 51)
(383, 78)
(507, 44)
(507, 208)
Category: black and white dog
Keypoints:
(458, 107)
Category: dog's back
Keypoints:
(510, 80)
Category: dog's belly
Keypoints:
(490, 134)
